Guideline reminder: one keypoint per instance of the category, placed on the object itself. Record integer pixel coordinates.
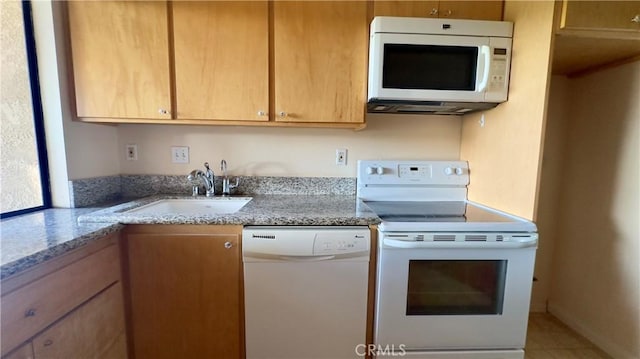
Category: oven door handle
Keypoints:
(525, 242)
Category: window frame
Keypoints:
(38, 115)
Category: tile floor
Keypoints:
(549, 338)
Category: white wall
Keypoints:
(504, 155)
(301, 152)
(596, 265)
(550, 189)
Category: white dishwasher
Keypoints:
(305, 291)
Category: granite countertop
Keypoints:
(34, 238)
(284, 210)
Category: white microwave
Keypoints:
(438, 66)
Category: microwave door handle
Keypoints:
(485, 55)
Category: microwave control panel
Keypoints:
(498, 71)
(499, 68)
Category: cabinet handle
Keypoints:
(447, 13)
(48, 342)
(262, 113)
(228, 245)
(283, 114)
(30, 313)
(434, 12)
(636, 19)
(162, 111)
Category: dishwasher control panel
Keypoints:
(331, 243)
(277, 242)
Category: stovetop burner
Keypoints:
(433, 211)
(421, 218)
(413, 196)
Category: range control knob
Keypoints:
(459, 171)
(375, 170)
(448, 171)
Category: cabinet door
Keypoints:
(474, 10)
(185, 295)
(23, 352)
(320, 61)
(600, 15)
(222, 60)
(120, 52)
(406, 8)
(88, 332)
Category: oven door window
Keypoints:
(429, 67)
(456, 287)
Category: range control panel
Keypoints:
(413, 172)
(412, 180)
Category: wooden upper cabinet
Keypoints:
(221, 60)
(406, 8)
(320, 61)
(475, 10)
(601, 15)
(120, 53)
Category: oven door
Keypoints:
(453, 296)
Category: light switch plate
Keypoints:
(180, 154)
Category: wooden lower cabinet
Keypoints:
(185, 287)
(23, 352)
(93, 330)
(71, 306)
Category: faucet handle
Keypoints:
(223, 166)
(232, 186)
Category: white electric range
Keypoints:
(453, 277)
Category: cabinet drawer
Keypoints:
(94, 330)
(32, 307)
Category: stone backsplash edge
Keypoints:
(92, 191)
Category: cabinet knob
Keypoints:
(447, 13)
(283, 114)
(433, 12)
(636, 19)
(162, 111)
(30, 313)
(228, 245)
(262, 113)
(47, 342)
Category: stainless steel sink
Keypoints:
(219, 205)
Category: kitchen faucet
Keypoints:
(226, 187)
(207, 177)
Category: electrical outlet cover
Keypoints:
(341, 157)
(132, 152)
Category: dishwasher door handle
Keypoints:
(306, 258)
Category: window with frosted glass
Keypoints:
(21, 177)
